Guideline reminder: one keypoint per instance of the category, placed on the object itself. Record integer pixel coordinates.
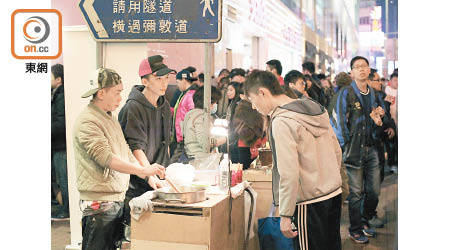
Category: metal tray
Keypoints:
(187, 194)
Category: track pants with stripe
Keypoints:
(318, 225)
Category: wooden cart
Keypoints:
(199, 226)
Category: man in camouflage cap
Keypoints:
(104, 163)
(102, 78)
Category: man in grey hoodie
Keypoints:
(306, 181)
(145, 120)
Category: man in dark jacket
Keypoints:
(387, 132)
(59, 155)
(315, 91)
(327, 89)
(388, 128)
(296, 81)
(145, 120)
(355, 118)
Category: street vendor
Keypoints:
(306, 182)
(103, 163)
(146, 122)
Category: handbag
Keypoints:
(270, 236)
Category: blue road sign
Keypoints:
(153, 20)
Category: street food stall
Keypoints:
(187, 223)
(190, 214)
(197, 226)
(219, 221)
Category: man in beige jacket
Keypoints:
(103, 163)
(306, 181)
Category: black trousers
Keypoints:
(392, 150)
(103, 230)
(318, 225)
(379, 146)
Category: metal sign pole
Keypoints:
(99, 54)
(207, 114)
(207, 94)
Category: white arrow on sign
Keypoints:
(95, 20)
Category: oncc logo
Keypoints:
(36, 29)
(36, 34)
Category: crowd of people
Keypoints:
(329, 139)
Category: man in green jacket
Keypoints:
(104, 163)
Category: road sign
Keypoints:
(153, 20)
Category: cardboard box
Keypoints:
(262, 183)
(199, 226)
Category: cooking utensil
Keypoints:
(173, 185)
(186, 194)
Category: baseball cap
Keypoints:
(154, 65)
(185, 74)
(102, 78)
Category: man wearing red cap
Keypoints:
(146, 122)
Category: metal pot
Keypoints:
(186, 195)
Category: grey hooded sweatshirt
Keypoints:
(306, 155)
(147, 128)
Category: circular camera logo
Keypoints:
(36, 29)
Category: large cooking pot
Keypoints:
(186, 195)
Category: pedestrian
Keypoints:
(248, 127)
(234, 92)
(342, 79)
(327, 89)
(296, 81)
(356, 108)
(223, 73)
(103, 162)
(177, 92)
(237, 75)
(314, 86)
(275, 67)
(59, 154)
(201, 80)
(306, 161)
(222, 105)
(391, 100)
(387, 133)
(185, 83)
(193, 126)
